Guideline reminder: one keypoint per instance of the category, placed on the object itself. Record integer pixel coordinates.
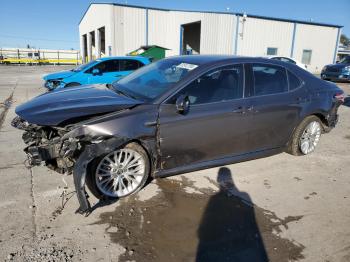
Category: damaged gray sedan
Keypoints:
(176, 115)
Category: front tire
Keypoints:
(119, 173)
(305, 137)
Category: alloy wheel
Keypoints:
(120, 173)
(310, 137)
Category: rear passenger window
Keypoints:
(269, 79)
(294, 82)
(128, 65)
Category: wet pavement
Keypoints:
(218, 226)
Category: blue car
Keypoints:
(100, 71)
(337, 72)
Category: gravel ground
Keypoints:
(281, 208)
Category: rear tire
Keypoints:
(120, 173)
(305, 137)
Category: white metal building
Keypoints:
(116, 29)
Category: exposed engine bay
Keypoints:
(48, 144)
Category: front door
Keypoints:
(214, 126)
(107, 71)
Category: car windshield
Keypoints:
(345, 60)
(153, 80)
(84, 66)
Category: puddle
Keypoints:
(180, 226)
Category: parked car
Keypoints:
(337, 72)
(289, 60)
(100, 71)
(176, 115)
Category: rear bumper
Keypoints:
(333, 117)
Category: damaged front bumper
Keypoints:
(66, 151)
(45, 145)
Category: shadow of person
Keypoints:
(228, 230)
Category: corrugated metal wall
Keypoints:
(96, 17)
(321, 40)
(130, 29)
(164, 30)
(126, 30)
(256, 35)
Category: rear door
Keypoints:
(277, 98)
(215, 125)
(127, 66)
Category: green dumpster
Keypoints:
(153, 52)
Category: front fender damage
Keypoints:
(79, 171)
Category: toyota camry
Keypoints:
(176, 115)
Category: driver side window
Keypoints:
(220, 84)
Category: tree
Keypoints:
(344, 40)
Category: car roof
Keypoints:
(122, 57)
(206, 60)
(201, 59)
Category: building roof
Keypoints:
(218, 12)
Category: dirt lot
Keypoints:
(281, 208)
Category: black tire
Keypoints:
(72, 84)
(91, 171)
(293, 145)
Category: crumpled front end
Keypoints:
(66, 150)
(45, 145)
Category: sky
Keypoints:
(54, 23)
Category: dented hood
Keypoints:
(59, 75)
(53, 108)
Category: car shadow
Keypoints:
(228, 230)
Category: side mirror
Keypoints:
(182, 104)
(337, 62)
(95, 71)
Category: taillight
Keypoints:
(340, 97)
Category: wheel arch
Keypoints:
(72, 84)
(319, 114)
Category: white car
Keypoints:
(288, 60)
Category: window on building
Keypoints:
(221, 84)
(306, 58)
(128, 65)
(271, 51)
(269, 79)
